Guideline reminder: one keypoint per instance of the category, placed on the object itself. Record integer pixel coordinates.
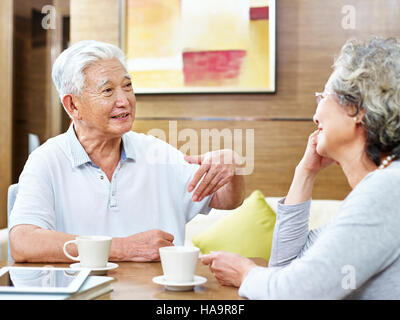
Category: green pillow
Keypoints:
(247, 231)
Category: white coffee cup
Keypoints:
(179, 263)
(93, 251)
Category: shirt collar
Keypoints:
(79, 155)
(128, 149)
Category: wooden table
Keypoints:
(133, 281)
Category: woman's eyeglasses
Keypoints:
(342, 99)
(322, 95)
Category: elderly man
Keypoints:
(97, 178)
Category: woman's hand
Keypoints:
(306, 172)
(312, 161)
(230, 269)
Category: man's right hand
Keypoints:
(140, 247)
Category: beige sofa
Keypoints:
(321, 211)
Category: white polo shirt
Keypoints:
(61, 189)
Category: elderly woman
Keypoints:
(357, 255)
(101, 178)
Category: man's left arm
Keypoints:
(217, 175)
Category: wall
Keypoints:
(36, 105)
(31, 80)
(309, 34)
(6, 47)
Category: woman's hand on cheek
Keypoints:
(312, 161)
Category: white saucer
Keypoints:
(179, 286)
(97, 271)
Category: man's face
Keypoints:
(107, 103)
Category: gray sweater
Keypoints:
(356, 255)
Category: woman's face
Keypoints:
(337, 131)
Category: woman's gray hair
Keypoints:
(68, 69)
(367, 77)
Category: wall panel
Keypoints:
(6, 47)
(279, 146)
(309, 34)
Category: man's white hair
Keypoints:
(68, 69)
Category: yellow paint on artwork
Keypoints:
(209, 25)
(221, 33)
(259, 3)
(152, 28)
(255, 71)
(157, 79)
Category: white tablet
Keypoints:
(41, 279)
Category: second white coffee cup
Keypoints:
(93, 251)
(179, 263)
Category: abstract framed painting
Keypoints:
(207, 46)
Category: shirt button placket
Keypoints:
(113, 199)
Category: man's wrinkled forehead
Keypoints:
(102, 82)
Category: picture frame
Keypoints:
(190, 46)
